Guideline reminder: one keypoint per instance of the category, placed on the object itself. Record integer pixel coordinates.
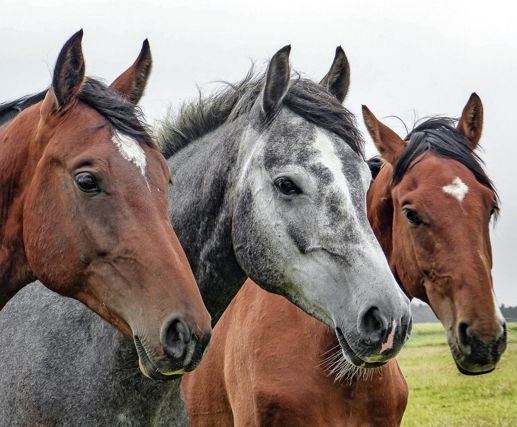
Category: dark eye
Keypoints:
(412, 216)
(87, 182)
(286, 186)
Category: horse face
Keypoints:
(300, 229)
(439, 240)
(442, 215)
(96, 225)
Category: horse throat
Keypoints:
(202, 177)
(380, 215)
(15, 175)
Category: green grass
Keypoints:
(440, 396)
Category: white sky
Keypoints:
(407, 58)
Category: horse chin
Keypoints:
(149, 369)
(352, 357)
(462, 363)
(483, 370)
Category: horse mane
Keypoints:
(9, 110)
(305, 98)
(124, 116)
(440, 136)
(375, 164)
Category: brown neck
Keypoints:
(381, 217)
(18, 163)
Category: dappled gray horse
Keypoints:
(268, 182)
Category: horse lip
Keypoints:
(351, 355)
(459, 358)
(148, 367)
(472, 373)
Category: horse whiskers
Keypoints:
(336, 365)
(331, 349)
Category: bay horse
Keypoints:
(83, 208)
(430, 207)
(267, 150)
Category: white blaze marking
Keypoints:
(371, 250)
(131, 151)
(331, 160)
(458, 189)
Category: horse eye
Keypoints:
(286, 186)
(87, 182)
(412, 216)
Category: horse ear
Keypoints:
(131, 83)
(69, 71)
(471, 121)
(337, 80)
(277, 80)
(388, 143)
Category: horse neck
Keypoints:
(380, 209)
(380, 215)
(200, 206)
(18, 159)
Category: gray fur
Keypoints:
(65, 366)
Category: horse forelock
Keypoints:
(123, 116)
(439, 136)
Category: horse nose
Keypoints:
(475, 348)
(175, 337)
(373, 325)
(502, 332)
(465, 338)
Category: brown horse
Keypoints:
(83, 209)
(275, 374)
(430, 207)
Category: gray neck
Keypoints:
(202, 175)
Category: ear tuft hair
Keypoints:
(337, 80)
(470, 123)
(69, 71)
(132, 82)
(277, 81)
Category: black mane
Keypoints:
(125, 117)
(439, 135)
(375, 164)
(9, 110)
(304, 97)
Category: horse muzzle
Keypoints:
(182, 351)
(377, 340)
(472, 355)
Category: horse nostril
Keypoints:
(373, 325)
(175, 337)
(464, 337)
(502, 332)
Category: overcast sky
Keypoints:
(407, 57)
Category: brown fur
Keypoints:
(272, 375)
(115, 251)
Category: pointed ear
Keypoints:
(68, 72)
(388, 143)
(471, 121)
(131, 83)
(277, 81)
(337, 79)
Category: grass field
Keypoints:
(440, 396)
